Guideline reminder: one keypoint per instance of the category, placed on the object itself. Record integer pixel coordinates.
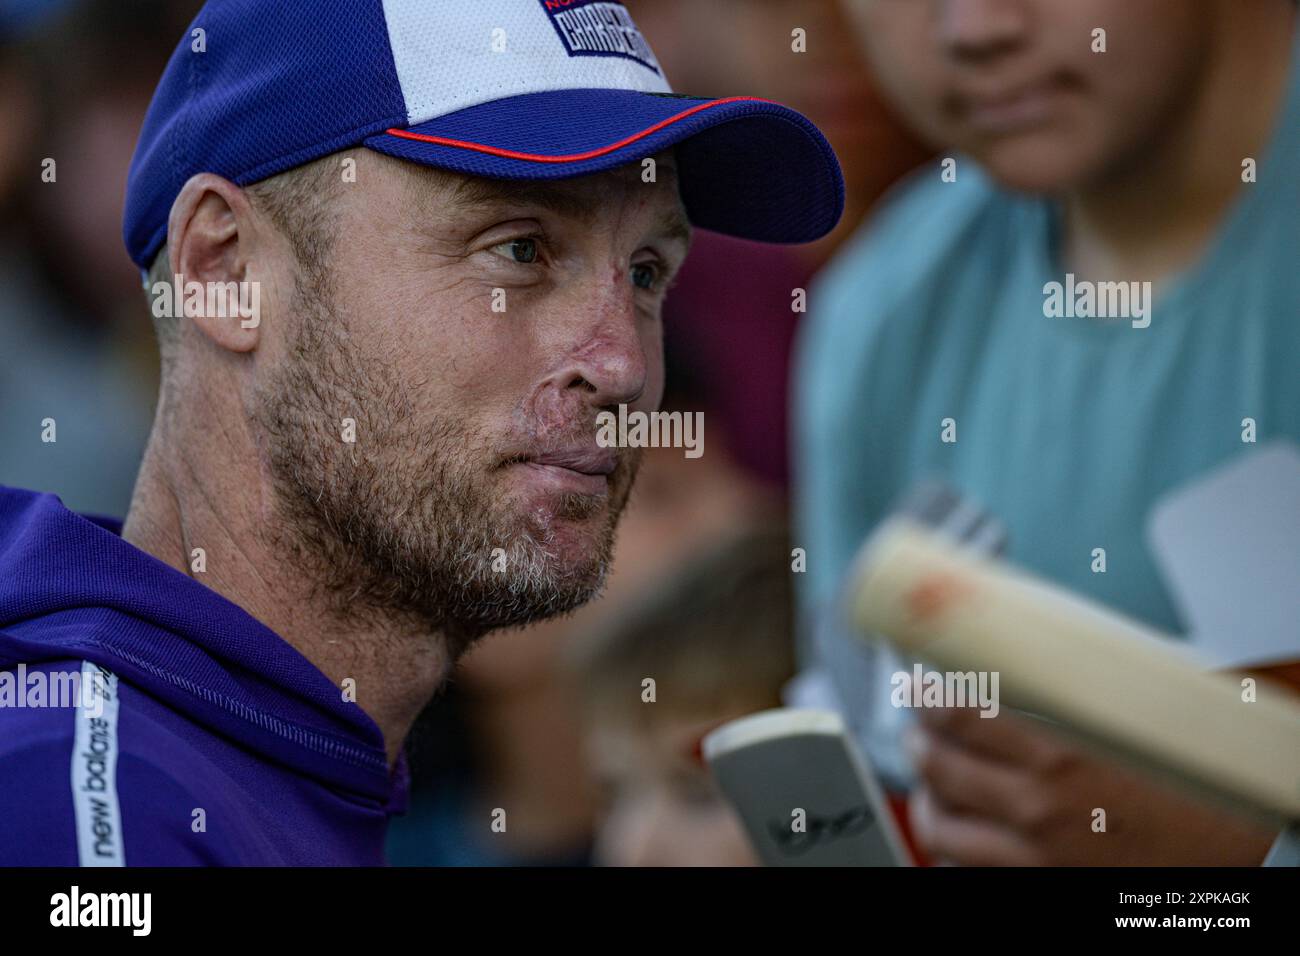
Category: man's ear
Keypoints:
(211, 240)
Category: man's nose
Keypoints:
(981, 30)
(607, 359)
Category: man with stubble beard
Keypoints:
(448, 233)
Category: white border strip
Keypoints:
(94, 770)
(774, 724)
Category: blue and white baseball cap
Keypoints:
(505, 89)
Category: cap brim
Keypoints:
(747, 167)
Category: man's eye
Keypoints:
(518, 250)
(644, 275)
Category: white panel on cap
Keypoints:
(446, 61)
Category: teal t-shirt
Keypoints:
(1067, 429)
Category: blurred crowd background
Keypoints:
(529, 722)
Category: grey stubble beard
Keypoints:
(397, 523)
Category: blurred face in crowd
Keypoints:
(828, 82)
(472, 330)
(737, 47)
(1017, 85)
(661, 806)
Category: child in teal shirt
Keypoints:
(1161, 153)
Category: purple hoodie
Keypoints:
(196, 735)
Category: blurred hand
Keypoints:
(1007, 791)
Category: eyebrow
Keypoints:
(475, 192)
(676, 226)
(471, 192)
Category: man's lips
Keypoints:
(577, 470)
(588, 461)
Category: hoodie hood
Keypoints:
(71, 588)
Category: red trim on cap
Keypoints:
(572, 157)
